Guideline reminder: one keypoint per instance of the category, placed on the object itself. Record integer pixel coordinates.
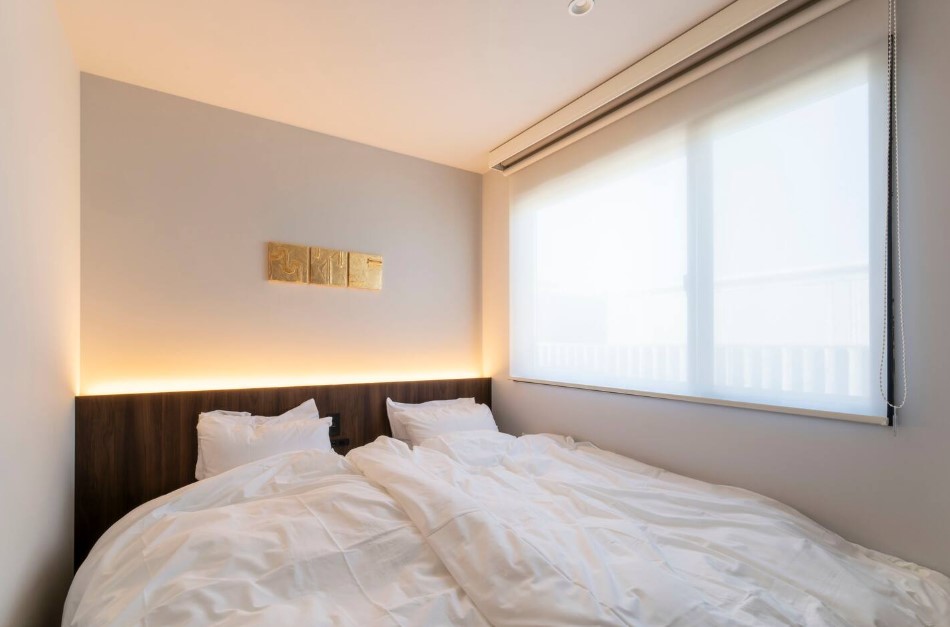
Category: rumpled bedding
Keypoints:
(484, 528)
(540, 531)
(296, 539)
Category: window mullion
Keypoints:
(699, 283)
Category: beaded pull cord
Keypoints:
(894, 202)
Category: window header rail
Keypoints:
(736, 30)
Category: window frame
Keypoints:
(699, 286)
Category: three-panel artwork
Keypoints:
(323, 266)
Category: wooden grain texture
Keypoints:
(131, 448)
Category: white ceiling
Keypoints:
(443, 80)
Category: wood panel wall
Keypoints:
(131, 448)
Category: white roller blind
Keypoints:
(723, 243)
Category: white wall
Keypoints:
(178, 201)
(889, 493)
(39, 316)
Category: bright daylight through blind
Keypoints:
(725, 242)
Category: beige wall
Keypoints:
(39, 316)
(178, 201)
(889, 493)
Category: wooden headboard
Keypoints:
(131, 448)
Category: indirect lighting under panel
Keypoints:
(142, 386)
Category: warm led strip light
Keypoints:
(142, 386)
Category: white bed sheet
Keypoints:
(296, 539)
(540, 531)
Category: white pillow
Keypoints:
(399, 430)
(229, 439)
(428, 422)
(200, 472)
(306, 409)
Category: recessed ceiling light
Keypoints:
(580, 7)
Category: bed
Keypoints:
(479, 528)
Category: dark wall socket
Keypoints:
(335, 427)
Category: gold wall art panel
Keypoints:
(328, 267)
(366, 271)
(323, 266)
(288, 262)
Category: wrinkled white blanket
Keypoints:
(539, 531)
(479, 528)
(296, 539)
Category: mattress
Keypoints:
(484, 528)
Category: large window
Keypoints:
(725, 242)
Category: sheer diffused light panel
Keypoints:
(291, 263)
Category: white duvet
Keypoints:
(296, 539)
(477, 527)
